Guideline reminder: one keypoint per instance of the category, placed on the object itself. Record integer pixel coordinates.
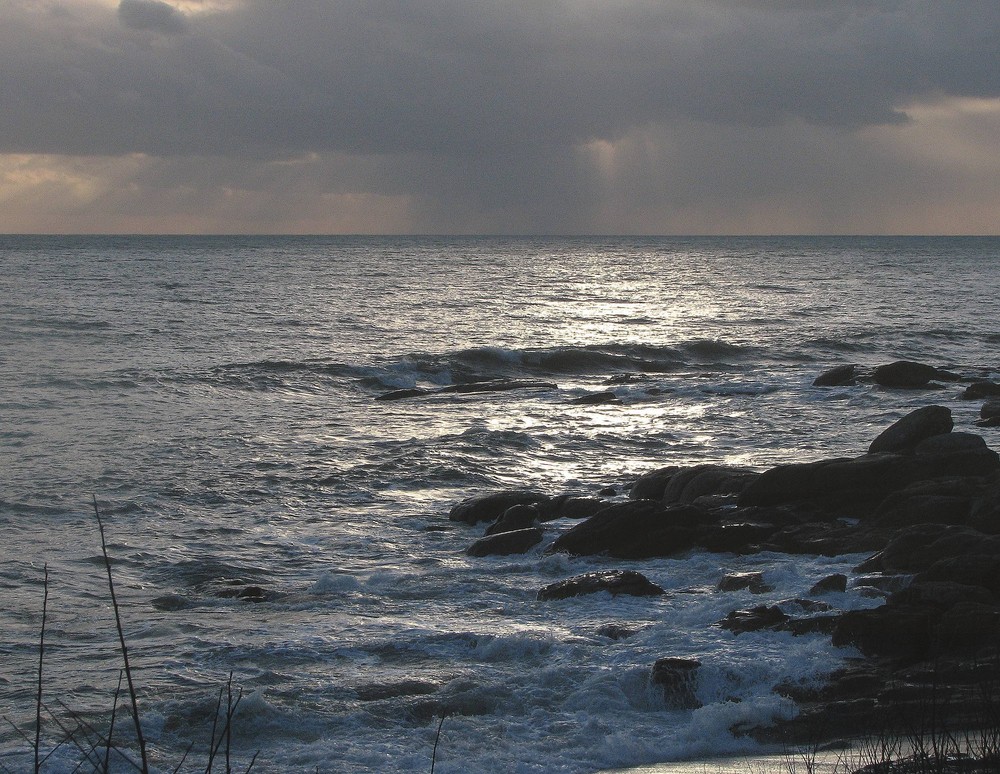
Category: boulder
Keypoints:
(503, 543)
(688, 484)
(829, 585)
(490, 507)
(612, 581)
(990, 409)
(678, 678)
(904, 374)
(913, 428)
(517, 517)
(838, 376)
(650, 486)
(984, 513)
(596, 399)
(981, 389)
(900, 632)
(571, 507)
(738, 581)
(637, 529)
(754, 619)
(951, 443)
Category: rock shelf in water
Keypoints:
(924, 502)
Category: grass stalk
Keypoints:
(41, 659)
(121, 638)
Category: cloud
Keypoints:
(151, 15)
(474, 115)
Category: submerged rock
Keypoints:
(904, 374)
(738, 581)
(597, 398)
(612, 581)
(678, 678)
(830, 584)
(754, 619)
(982, 389)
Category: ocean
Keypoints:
(267, 517)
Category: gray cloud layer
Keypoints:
(483, 100)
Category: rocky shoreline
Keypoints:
(923, 501)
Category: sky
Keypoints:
(500, 116)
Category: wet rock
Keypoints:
(990, 410)
(831, 584)
(412, 392)
(612, 581)
(838, 376)
(650, 486)
(900, 632)
(688, 484)
(517, 517)
(678, 678)
(817, 624)
(754, 619)
(596, 399)
(615, 631)
(905, 509)
(504, 543)
(904, 374)
(905, 434)
(637, 529)
(981, 389)
(984, 514)
(498, 385)
(951, 443)
(738, 581)
(571, 507)
(490, 507)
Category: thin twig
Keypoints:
(183, 758)
(212, 747)
(41, 657)
(253, 760)
(111, 725)
(229, 718)
(100, 737)
(121, 638)
(437, 737)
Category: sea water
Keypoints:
(216, 396)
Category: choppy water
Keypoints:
(218, 397)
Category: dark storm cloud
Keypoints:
(463, 77)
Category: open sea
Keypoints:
(268, 517)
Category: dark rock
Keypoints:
(498, 385)
(990, 409)
(615, 631)
(490, 507)
(379, 691)
(805, 605)
(915, 549)
(754, 619)
(734, 538)
(984, 515)
(913, 428)
(838, 376)
(678, 677)
(830, 584)
(941, 594)
(900, 632)
(503, 543)
(650, 486)
(412, 392)
(993, 421)
(515, 518)
(951, 443)
(970, 569)
(905, 374)
(738, 581)
(612, 581)
(817, 624)
(981, 389)
(597, 398)
(903, 509)
(637, 529)
(572, 507)
(688, 484)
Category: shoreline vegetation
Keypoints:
(923, 501)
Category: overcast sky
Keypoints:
(500, 116)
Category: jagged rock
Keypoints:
(838, 376)
(981, 389)
(637, 529)
(489, 507)
(754, 619)
(650, 486)
(678, 677)
(503, 543)
(517, 517)
(830, 584)
(612, 581)
(913, 428)
(905, 374)
(688, 484)
(738, 581)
